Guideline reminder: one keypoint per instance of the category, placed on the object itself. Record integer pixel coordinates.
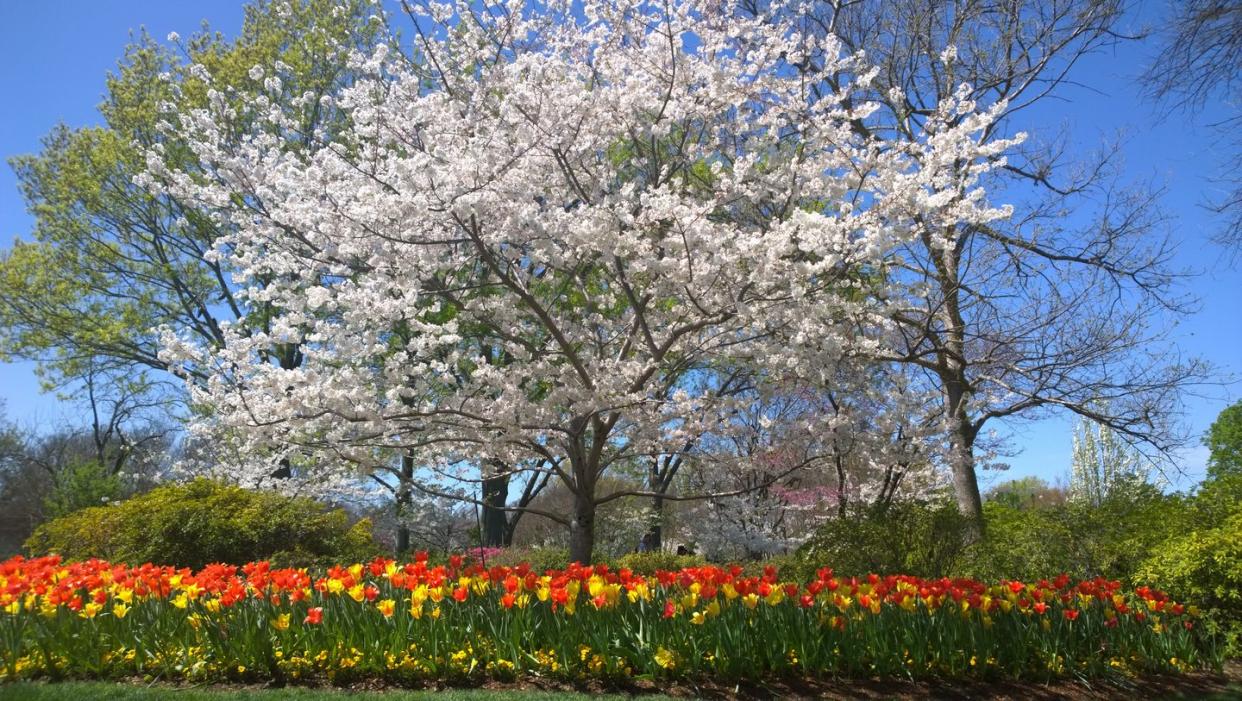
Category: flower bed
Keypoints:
(409, 623)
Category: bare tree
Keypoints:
(1200, 57)
(1060, 305)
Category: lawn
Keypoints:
(103, 691)
(1200, 687)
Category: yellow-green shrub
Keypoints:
(539, 559)
(196, 523)
(1204, 567)
(647, 563)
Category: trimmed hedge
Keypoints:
(197, 523)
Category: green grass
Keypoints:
(105, 691)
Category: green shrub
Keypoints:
(1022, 543)
(919, 538)
(540, 559)
(1078, 539)
(80, 485)
(200, 522)
(789, 568)
(1204, 567)
(646, 563)
(1201, 562)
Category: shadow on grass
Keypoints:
(1212, 687)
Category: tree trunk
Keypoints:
(495, 521)
(956, 393)
(284, 472)
(653, 539)
(582, 529)
(403, 504)
(962, 461)
(290, 358)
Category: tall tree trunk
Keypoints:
(653, 539)
(582, 528)
(403, 504)
(957, 389)
(510, 529)
(962, 460)
(289, 355)
(495, 495)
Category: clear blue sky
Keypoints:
(54, 57)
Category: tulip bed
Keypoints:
(459, 622)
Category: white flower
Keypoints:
(174, 37)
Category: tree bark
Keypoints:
(962, 461)
(653, 539)
(403, 504)
(582, 529)
(495, 495)
(290, 358)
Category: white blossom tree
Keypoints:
(539, 232)
(1102, 465)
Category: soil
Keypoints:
(1196, 685)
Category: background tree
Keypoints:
(109, 262)
(1028, 492)
(1102, 466)
(1057, 305)
(1200, 57)
(1224, 443)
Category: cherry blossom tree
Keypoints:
(542, 230)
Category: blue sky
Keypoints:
(54, 57)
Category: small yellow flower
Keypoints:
(665, 658)
(120, 610)
(386, 607)
(281, 622)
